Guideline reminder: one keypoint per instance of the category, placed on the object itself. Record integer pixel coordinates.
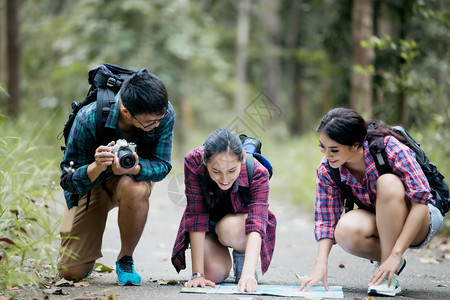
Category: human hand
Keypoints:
(387, 269)
(319, 273)
(247, 283)
(119, 170)
(103, 156)
(199, 282)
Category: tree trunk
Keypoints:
(270, 23)
(13, 57)
(293, 70)
(243, 28)
(361, 83)
(403, 108)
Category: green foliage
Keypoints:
(28, 225)
(295, 162)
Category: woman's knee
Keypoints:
(351, 229)
(217, 271)
(231, 230)
(390, 188)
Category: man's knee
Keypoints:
(77, 272)
(131, 188)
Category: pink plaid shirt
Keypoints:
(196, 217)
(330, 200)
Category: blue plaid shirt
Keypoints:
(154, 149)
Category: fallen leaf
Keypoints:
(101, 268)
(64, 282)
(162, 282)
(12, 288)
(81, 284)
(173, 282)
(369, 298)
(152, 280)
(429, 260)
(444, 247)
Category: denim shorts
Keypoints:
(436, 219)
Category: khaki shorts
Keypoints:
(82, 231)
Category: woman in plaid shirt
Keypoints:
(403, 215)
(217, 218)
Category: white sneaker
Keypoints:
(399, 269)
(383, 289)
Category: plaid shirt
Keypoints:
(330, 200)
(196, 217)
(154, 149)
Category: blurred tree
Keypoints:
(293, 67)
(270, 22)
(363, 57)
(13, 51)
(242, 40)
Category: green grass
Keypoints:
(28, 225)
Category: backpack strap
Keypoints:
(381, 161)
(350, 198)
(106, 87)
(244, 191)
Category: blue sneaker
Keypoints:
(126, 275)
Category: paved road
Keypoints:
(294, 255)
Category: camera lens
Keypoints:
(126, 158)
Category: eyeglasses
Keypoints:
(151, 123)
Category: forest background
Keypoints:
(267, 68)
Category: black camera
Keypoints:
(125, 153)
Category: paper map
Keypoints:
(273, 290)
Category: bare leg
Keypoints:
(391, 212)
(231, 231)
(356, 233)
(133, 210)
(217, 259)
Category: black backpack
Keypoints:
(439, 188)
(252, 147)
(105, 81)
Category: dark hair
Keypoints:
(345, 126)
(219, 141)
(144, 93)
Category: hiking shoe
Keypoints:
(126, 275)
(238, 264)
(383, 289)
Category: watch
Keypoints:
(196, 275)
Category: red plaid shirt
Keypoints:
(196, 217)
(330, 200)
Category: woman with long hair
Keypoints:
(397, 210)
(217, 218)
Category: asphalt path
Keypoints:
(426, 276)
